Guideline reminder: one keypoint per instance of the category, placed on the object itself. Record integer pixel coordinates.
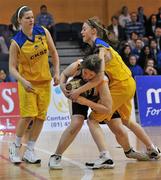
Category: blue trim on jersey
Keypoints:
(100, 42)
(21, 38)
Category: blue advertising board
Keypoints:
(148, 89)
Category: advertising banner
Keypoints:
(9, 107)
(149, 100)
(58, 116)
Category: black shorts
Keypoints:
(78, 109)
(115, 115)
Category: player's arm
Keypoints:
(104, 105)
(68, 72)
(105, 55)
(54, 55)
(13, 61)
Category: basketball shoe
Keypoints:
(102, 162)
(30, 157)
(14, 153)
(140, 156)
(154, 153)
(55, 162)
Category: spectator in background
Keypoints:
(124, 16)
(150, 67)
(136, 70)
(2, 75)
(46, 19)
(144, 56)
(125, 54)
(3, 46)
(132, 41)
(139, 44)
(158, 37)
(134, 67)
(156, 53)
(116, 28)
(159, 17)
(134, 25)
(150, 62)
(141, 16)
(153, 48)
(151, 26)
(150, 71)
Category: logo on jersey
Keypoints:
(38, 54)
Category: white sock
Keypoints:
(18, 141)
(31, 144)
(105, 154)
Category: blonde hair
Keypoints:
(102, 32)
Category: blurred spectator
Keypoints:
(158, 37)
(159, 17)
(132, 41)
(125, 54)
(144, 56)
(134, 26)
(150, 71)
(117, 29)
(150, 62)
(124, 16)
(139, 44)
(141, 16)
(113, 40)
(153, 48)
(136, 70)
(3, 76)
(134, 67)
(45, 19)
(3, 45)
(151, 26)
(156, 53)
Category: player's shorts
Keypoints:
(122, 94)
(34, 104)
(78, 109)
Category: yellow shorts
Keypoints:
(34, 104)
(122, 94)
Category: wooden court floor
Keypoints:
(81, 150)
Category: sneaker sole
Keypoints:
(101, 167)
(55, 167)
(36, 162)
(16, 163)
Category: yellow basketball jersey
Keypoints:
(33, 55)
(116, 69)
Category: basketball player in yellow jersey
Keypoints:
(122, 89)
(28, 63)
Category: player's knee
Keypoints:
(75, 127)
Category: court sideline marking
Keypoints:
(88, 173)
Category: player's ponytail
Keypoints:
(102, 32)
